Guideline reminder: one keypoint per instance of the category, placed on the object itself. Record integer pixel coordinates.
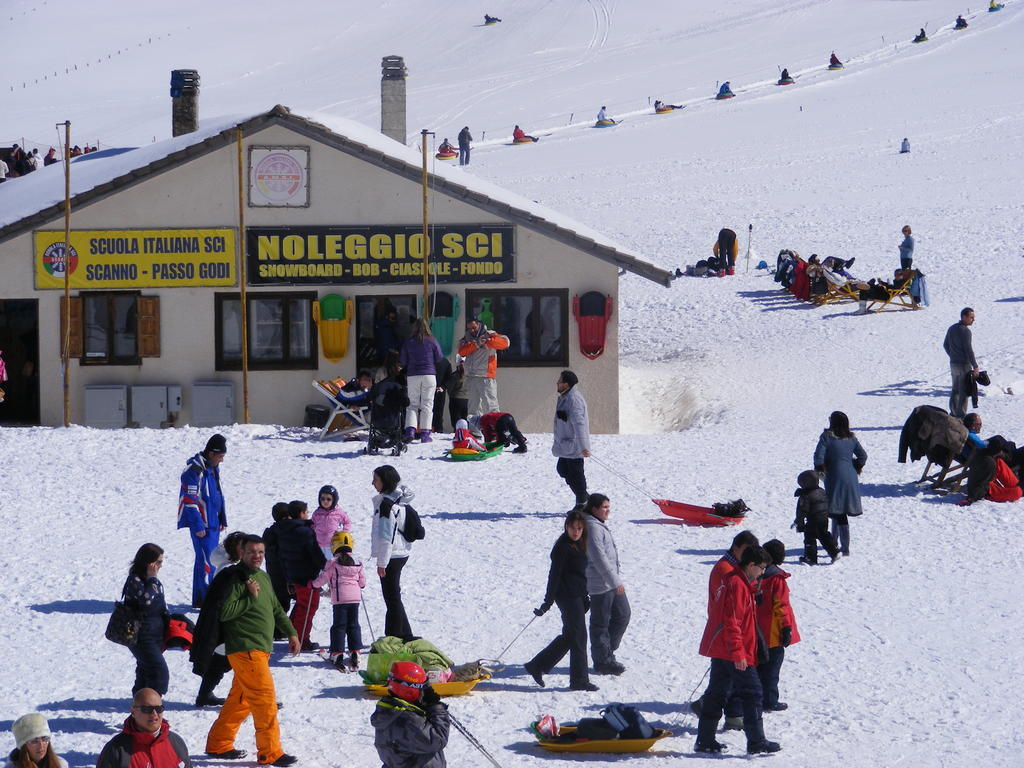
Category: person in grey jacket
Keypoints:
(411, 723)
(840, 456)
(571, 435)
(961, 361)
(609, 607)
(906, 247)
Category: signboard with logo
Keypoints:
(136, 258)
(379, 255)
(278, 177)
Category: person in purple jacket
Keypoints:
(419, 356)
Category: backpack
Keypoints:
(413, 529)
(628, 722)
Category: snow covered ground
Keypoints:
(909, 654)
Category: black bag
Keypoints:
(628, 722)
(413, 529)
(124, 624)
(594, 729)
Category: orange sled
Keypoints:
(703, 517)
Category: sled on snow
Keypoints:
(993, 7)
(785, 81)
(565, 742)
(664, 109)
(524, 140)
(722, 95)
(447, 155)
(920, 39)
(451, 688)
(605, 123)
(834, 67)
(717, 516)
(468, 454)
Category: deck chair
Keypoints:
(350, 412)
(839, 289)
(897, 295)
(947, 478)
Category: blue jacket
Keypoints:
(841, 459)
(907, 247)
(200, 501)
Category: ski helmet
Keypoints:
(331, 490)
(406, 680)
(342, 540)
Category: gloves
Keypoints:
(964, 503)
(563, 415)
(786, 636)
(429, 696)
(858, 466)
(544, 608)
(799, 525)
(586, 604)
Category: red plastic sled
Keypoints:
(592, 311)
(691, 514)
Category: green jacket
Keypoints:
(249, 622)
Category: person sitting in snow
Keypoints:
(464, 439)
(660, 105)
(921, 36)
(602, 116)
(834, 61)
(491, 19)
(518, 134)
(447, 148)
(785, 74)
(725, 90)
(989, 475)
(961, 23)
(500, 427)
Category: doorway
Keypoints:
(383, 323)
(19, 344)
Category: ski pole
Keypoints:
(472, 739)
(368, 624)
(622, 477)
(516, 638)
(750, 234)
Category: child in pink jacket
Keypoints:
(345, 577)
(328, 519)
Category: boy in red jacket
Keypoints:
(730, 641)
(776, 623)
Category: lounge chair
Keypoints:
(350, 411)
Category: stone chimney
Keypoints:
(392, 97)
(184, 101)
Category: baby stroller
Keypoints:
(388, 401)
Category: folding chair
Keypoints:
(350, 411)
(839, 289)
(897, 295)
(947, 478)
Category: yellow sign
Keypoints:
(136, 258)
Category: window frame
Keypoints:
(533, 361)
(287, 363)
(110, 358)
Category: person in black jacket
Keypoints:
(812, 518)
(443, 374)
(303, 560)
(567, 588)
(144, 593)
(275, 570)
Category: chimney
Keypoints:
(392, 97)
(184, 101)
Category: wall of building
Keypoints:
(344, 191)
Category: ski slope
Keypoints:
(909, 654)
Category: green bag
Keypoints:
(379, 664)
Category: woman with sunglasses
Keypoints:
(145, 594)
(34, 740)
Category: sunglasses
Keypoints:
(39, 740)
(149, 709)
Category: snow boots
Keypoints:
(409, 435)
(863, 308)
(425, 436)
(756, 742)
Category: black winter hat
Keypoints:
(776, 551)
(983, 379)
(807, 479)
(216, 444)
(331, 490)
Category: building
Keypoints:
(328, 207)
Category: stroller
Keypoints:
(388, 401)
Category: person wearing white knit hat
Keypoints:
(34, 750)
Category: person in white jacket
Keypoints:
(609, 608)
(389, 546)
(571, 435)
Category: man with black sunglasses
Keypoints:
(147, 735)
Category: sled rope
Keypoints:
(623, 478)
(472, 739)
(516, 638)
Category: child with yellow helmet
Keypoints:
(345, 577)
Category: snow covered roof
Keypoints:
(38, 198)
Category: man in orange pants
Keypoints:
(248, 617)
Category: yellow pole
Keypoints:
(242, 277)
(66, 345)
(426, 239)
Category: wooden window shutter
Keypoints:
(75, 341)
(149, 325)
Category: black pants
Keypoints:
(571, 470)
(816, 530)
(439, 398)
(150, 666)
(396, 623)
(346, 626)
(906, 262)
(573, 641)
(727, 681)
(215, 672)
(458, 408)
(508, 432)
(768, 673)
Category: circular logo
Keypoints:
(278, 176)
(55, 257)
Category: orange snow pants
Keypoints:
(252, 692)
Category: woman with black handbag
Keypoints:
(144, 593)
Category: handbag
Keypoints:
(123, 626)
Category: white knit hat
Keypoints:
(28, 727)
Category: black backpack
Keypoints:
(413, 528)
(627, 721)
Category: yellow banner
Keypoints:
(137, 258)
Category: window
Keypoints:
(535, 321)
(282, 335)
(113, 328)
(383, 323)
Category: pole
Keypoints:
(242, 278)
(66, 342)
(365, 611)
(426, 240)
(750, 234)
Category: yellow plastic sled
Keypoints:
(454, 688)
(616, 746)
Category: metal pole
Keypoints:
(242, 277)
(426, 241)
(66, 342)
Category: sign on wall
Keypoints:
(278, 177)
(379, 255)
(136, 258)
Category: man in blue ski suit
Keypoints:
(201, 510)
